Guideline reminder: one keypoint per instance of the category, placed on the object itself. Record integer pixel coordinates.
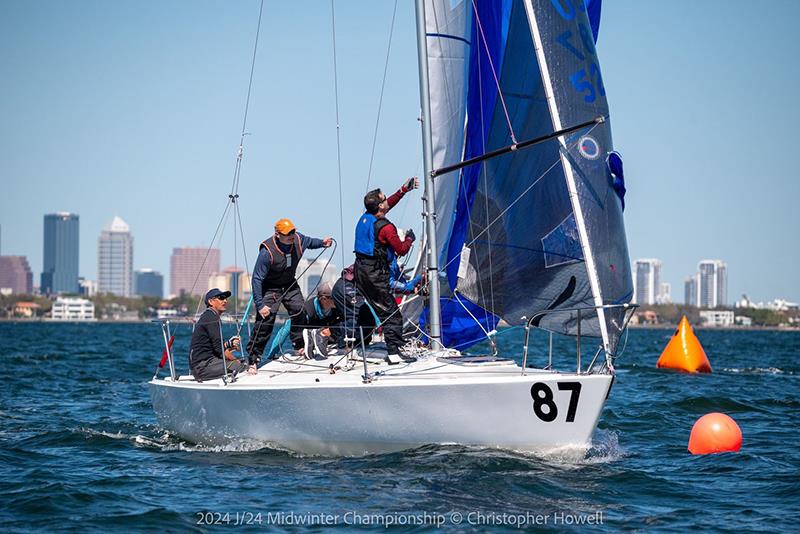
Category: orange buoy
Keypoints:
(715, 432)
(684, 352)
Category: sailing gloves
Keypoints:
(411, 183)
(410, 233)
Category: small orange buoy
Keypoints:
(684, 352)
(715, 432)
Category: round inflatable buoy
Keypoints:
(715, 432)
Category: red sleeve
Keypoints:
(395, 198)
(388, 236)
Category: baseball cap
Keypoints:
(216, 292)
(284, 226)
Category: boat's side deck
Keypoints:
(338, 370)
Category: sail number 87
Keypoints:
(545, 407)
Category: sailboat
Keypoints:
(524, 224)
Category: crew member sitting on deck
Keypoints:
(357, 316)
(322, 317)
(375, 235)
(274, 283)
(208, 355)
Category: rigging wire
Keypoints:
(380, 100)
(338, 136)
(494, 72)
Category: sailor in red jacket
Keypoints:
(375, 235)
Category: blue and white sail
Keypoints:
(539, 228)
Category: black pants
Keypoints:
(373, 282)
(293, 301)
(214, 368)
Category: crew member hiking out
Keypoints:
(274, 283)
(375, 235)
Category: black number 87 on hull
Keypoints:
(545, 407)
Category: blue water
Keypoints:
(80, 450)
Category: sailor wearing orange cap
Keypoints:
(274, 283)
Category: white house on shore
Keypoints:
(72, 309)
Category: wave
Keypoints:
(756, 371)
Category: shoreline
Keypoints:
(663, 326)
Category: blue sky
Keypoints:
(135, 109)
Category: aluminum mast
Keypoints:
(435, 319)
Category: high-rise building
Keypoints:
(647, 282)
(233, 279)
(115, 259)
(190, 268)
(88, 287)
(713, 283)
(691, 296)
(15, 275)
(148, 283)
(664, 294)
(61, 246)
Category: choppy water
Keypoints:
(80, 450)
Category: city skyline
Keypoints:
(171, 81)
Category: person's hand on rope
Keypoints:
(327, 242)
(264, 311)
(252, 370)
(233, 343)
(325, 332)
(410, 233)
(411, 183)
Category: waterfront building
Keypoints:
(647, 281)
(26, 310)
(190, 269)
(61, 253)
(115, 259)
(717, 317)
(15, 275)
(713, 283)
(72, 309)
(148, 283)
(166, 312)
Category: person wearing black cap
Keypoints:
(209, 355)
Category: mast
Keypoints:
(428, 198)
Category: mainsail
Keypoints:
(539, 228)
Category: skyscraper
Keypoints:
(190, 268)
(115, 259)
(60, 265)
(148, 283)
(713, 283)
(16, 275)
(690, 291)
(647, 283)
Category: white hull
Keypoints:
(307, 410)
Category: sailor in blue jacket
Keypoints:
(274, 283)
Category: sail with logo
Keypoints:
(538, 228)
